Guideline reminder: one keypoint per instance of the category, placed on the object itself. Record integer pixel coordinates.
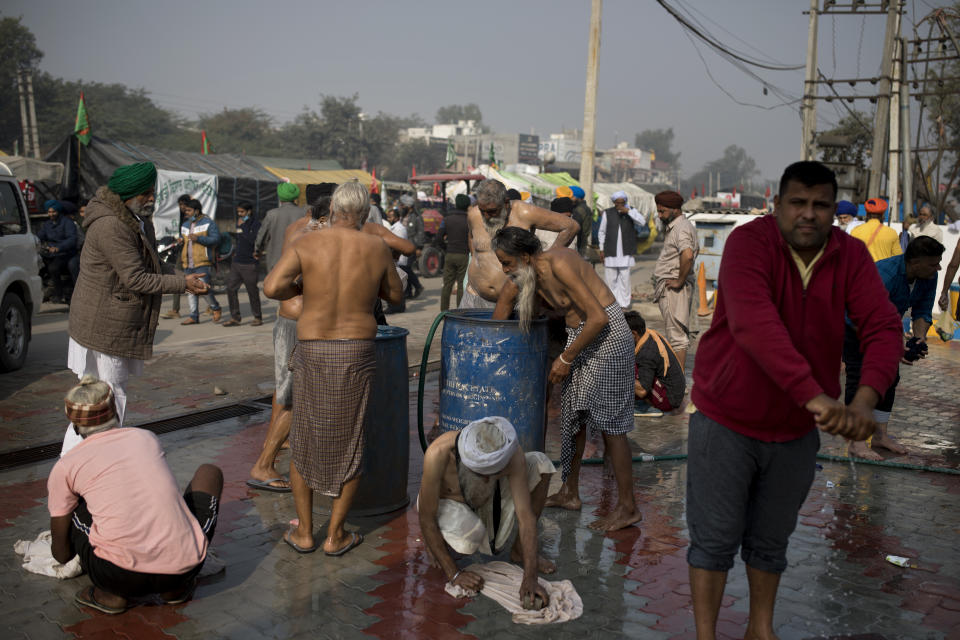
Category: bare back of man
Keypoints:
(291, 308)
(344, 271)
(556, 293)
(484, 274)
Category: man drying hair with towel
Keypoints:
(477, 485)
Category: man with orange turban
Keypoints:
(882, 241)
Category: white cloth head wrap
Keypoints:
(486, 445)
(620, 195)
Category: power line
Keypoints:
(691, 8)
(730, 95)
(720, 46)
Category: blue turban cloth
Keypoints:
(578, 192)
(287, 192)
(846, 208)
(53, 204)
(133, 179)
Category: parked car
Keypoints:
(20, 284)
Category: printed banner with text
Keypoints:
(173, 184)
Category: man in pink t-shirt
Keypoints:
(114, 502)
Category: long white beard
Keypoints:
(525, 277)
(493, 225)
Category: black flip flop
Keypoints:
(265, 485)
(86, 598)
(355, 539)
(293, 545)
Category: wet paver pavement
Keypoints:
(633, 582)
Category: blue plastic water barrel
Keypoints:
(491, 368)
(386, 455)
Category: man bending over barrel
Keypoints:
(465, 474)
(493, 212)
(343, 272)
(596, 368)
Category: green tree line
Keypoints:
(336, 129)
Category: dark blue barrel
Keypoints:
(491, 368)
(386, 456)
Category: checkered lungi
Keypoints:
(331, 388)
(598, 392)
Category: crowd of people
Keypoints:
(801, 293)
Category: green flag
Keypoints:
(493, 157)
(81, 128)
(451, 154)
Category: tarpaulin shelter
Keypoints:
(303, 177)
(238, 177)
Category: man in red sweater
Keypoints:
(766, 376)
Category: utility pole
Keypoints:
(590, 103)
(881, 123)
(905, 160)
(24, 123)
(809, 107)
(893, 159)
(34, 129)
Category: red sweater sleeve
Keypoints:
(746, 285)
(878, 324)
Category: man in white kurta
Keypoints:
(618, 244)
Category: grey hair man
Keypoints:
(491, 213)
(334, 360)
(115, 307)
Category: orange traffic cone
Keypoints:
(704, 309)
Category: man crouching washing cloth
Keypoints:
(596, 367)
(343, 272)
(477, 487)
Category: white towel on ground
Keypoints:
(38, 558)
(501, 583)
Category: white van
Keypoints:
(20, 285)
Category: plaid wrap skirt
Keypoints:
(331, 388)
(598, 393)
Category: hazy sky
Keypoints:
(522, 61)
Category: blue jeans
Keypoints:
(192, 298)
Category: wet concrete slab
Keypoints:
(633, 582)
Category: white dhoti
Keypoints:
(465, 529)
(618, 280)
(113, 370)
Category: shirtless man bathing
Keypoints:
(464, 473)
(264, 475)
(491, 213)
(343, 272)
(596, 367)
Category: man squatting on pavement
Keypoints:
(767, 374)
(114, 502)
(465, 473)
(334, 358)
(115, 307)
(491, 213)
(911, 282)
(596, 367)
(264, 475)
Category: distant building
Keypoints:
(445, 131)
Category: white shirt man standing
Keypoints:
(618, 244)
